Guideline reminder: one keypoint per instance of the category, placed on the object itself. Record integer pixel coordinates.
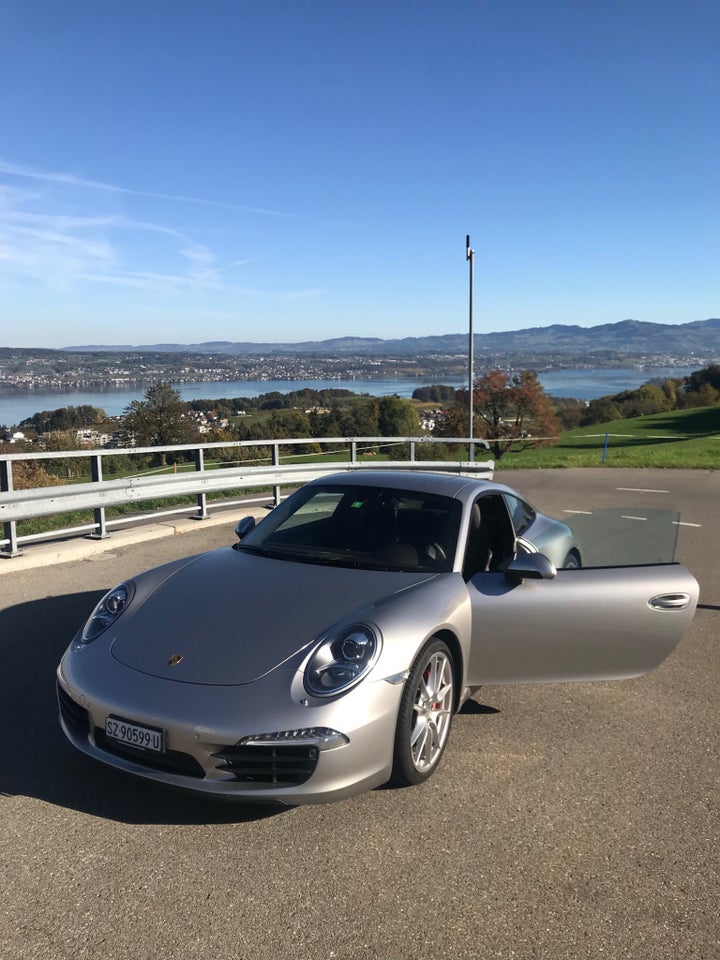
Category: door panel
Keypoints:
(588, 624)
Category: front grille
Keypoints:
(279, 765)
(171, 761)
(75, 716)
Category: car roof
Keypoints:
(444, 484)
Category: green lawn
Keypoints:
(679, 438)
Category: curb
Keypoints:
(83, 548)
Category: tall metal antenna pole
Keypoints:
(470, 257)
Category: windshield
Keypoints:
(374, 528)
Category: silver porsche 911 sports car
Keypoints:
(327, 651)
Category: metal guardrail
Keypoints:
(99, 494)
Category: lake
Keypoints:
(588, 384)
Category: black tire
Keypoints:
(425, 717)
(572, 561)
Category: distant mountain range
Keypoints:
(632, 337)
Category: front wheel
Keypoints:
(572, 561)
(426, 711)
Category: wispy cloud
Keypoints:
(309, 293)
(147, 280)
(142, 280)
(48, 250)
(70, 179)
(63, 235)
(46, 242)
(201, 264)
(243, 262)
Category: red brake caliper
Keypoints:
(426, 677)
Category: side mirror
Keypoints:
(244, 527)
(530, 566)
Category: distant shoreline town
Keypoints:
(432, 359)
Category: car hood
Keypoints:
(232, 617)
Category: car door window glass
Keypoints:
(521, 512)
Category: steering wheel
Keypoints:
(433, 553)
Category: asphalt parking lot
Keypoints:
(570, 821)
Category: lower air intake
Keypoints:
(172, 761)
(275, 765)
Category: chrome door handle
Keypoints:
(670, 601)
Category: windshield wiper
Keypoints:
(251, 548)
(305, 554)
(300, 553)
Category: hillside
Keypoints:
(632, 338)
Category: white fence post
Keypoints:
(202, 513)
(276, 463)
(96, 473)
(9, 528)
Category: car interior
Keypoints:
(491, 537)
(379, 526)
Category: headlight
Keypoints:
(107, 611)
(342, 659)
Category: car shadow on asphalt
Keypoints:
(35, 758)
(472, 707)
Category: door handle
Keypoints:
(670, 601)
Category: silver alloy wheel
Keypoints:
(432, 712)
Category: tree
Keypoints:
(672, 388)
(647, 399)
(397, 418)
(600, 410)
(507, 409)
(71, 467)
(512, 407)
(65, 418)
(569, 411)
(435, 393)
(159, 419)
(361, 418)
(287, 424)
(705, 396)
(28, 474)
(709, 374)
(452, 421)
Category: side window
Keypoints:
(521, 512)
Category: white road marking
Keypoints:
(642, 490)
(684, 523)
(624, 517)
(587, 513)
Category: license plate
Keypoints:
(135, 735)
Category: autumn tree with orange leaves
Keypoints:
(508, 409)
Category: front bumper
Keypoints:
(203, 727)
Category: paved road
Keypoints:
(576, 821)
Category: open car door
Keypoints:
(597, 623)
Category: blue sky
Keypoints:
(300, 169)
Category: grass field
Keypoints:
(680, 438)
